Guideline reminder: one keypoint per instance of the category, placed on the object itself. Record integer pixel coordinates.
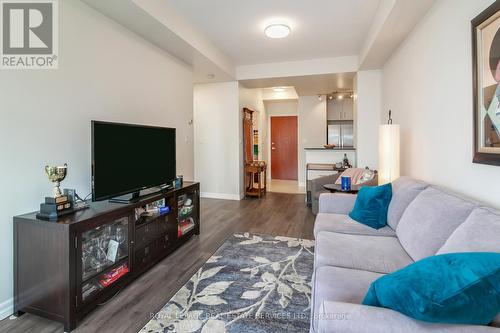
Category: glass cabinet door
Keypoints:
(104, 256)
(187, 204)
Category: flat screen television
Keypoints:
(129, 158)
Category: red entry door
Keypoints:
(284, 147)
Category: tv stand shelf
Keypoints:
(64, 269)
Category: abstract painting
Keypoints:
(486, 89)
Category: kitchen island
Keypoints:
(329, 156)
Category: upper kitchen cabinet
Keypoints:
(348, 109)
(340, 109)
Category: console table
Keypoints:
(64, 269)
(256, 172)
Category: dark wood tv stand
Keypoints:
(62, 270)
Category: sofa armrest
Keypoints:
(336, 203)
(317, 183)
(340, 317)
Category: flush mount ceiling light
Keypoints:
(277, 30)
(279, 89)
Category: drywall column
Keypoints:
(217, 137)
(367, 117)
(312, 128)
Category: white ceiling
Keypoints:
(320, 28)
(307, 85)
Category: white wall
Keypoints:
(105, 73)
(218, 147)
(367, 117)
(268, 94)
(282, 108)
(298, 68)
(312, 128)
(427, 84)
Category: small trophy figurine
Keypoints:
(59, 204)
(56, 175)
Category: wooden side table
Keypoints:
(256, 170)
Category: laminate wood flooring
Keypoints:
(276, 214)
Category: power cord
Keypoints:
(84, 199)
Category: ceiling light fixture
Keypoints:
(279, 89)
(277, 31)
(340, 97)
(320, 98)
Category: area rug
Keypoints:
(253, 283)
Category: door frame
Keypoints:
(269, 160)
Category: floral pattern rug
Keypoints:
(253, 283)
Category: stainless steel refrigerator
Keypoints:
(341, 134)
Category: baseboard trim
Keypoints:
(6, 308)
(223, 196)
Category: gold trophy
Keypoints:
(56, 175)
(58, 205)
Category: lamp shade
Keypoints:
(388, 153)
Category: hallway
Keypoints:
(285, 186)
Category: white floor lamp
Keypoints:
(388, 152)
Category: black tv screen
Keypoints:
(127, 158)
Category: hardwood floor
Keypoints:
(277, 214)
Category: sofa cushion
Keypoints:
(336, 203)
(336, 317)
(479, 233)
(344, 224)
(370, 253)
(458, 288)
(404, 191)
(371, 205)
(339, 284)
(429, 220)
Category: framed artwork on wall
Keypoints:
(486, 87)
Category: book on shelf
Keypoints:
(185, 226)
(113, 275)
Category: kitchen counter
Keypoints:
(321, 155)
(331, 149)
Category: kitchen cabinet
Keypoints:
(340, 109)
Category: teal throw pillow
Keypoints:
(371, 205)
(457, 288)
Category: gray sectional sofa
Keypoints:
(423, 220)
